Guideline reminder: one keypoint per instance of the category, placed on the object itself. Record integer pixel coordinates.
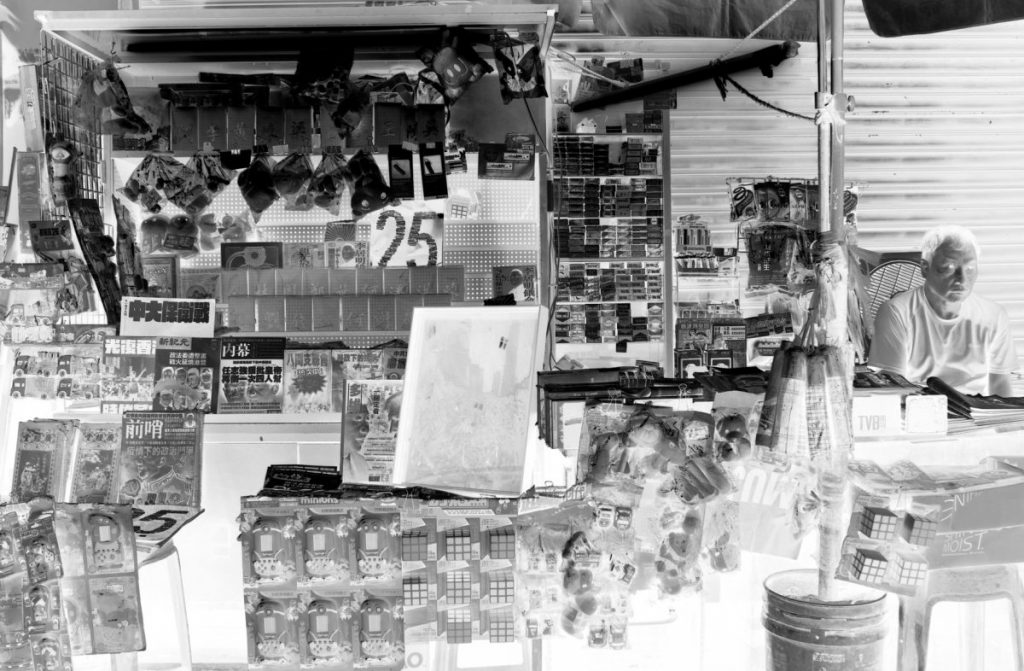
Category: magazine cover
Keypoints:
(186, 370)
(126, 378)
(161, 458)
(307, 381)
(41, 458)
(353, 364)
(96, 464)
(369, 429)
(251, 375)
(519, 281)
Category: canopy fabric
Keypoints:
(893, 18)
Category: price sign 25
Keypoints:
(407, 242)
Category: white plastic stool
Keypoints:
(980, 583)
(162, 593)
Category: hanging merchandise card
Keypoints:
(96, 463)
(30, 168)
(126, 377)
(251, 255)
(435, 184)
(186, 374)
(41, 458)
(182, 317)
(519, 281)
(251, 375)
(369, 429)
(161, 458)
(197, 283)
(307, 381)
(400, 171)
(497, 161)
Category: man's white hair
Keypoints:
(958, 236)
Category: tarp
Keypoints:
(892, 18)
(737, 18)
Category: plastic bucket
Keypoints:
(808, 634)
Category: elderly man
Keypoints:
(941, 329)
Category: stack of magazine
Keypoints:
(968, 412)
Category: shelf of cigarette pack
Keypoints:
(611, 259)
(354, 339)
(648, 133)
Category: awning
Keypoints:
(892, 18)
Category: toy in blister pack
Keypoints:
(330, 178)
(381, 632)
(326, 543)
(268, 543)
(105, 547)
(273, 629)
(117, 614)
(42, 607)
(378, 548)
(329, 630)
(51, 652)
(292, 176)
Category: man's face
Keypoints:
(951, 273)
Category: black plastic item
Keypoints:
(292, 176)
(330, 180)
(257, 185)
(370, 192)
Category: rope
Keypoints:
(761, 27)
(759, 101)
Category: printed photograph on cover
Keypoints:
(161, 458)
(186, 370)
(354, 364)
(307, 381)
(95, 470)
(126, 380)
(199, 284)
(161, 274)
(251, 375)
(369, 429)
(519, 281)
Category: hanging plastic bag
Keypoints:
(102, 104)
(257, 185)
(520, 68)
(330, 179)
(208, 165)
(188, 191)
(292, 175)
(370, 192)
(146, 184)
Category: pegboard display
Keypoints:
(481, 261)
(477, 234)
(60, 74)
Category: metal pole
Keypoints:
(831, 104)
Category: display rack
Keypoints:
(611, 236)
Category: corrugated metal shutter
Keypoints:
(937, 138)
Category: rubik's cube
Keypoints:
(878, 523)
(869, 565)
(918, 530)
(910, 571)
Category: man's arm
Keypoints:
(1002, 357)
(890, 346)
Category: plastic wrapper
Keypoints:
(102, 104)
(329, 181)
(787, 438)
(208, 165)
(721, 534)
(670, 533)
(147, 182)
(370, 191)
(520, 68)
(152, 232)
(257, 185)
(292, 176)
(456, 64)
(61, 155)
(237, 228)
(736, 416)
(829, 433)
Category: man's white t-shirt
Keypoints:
(910, 339)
